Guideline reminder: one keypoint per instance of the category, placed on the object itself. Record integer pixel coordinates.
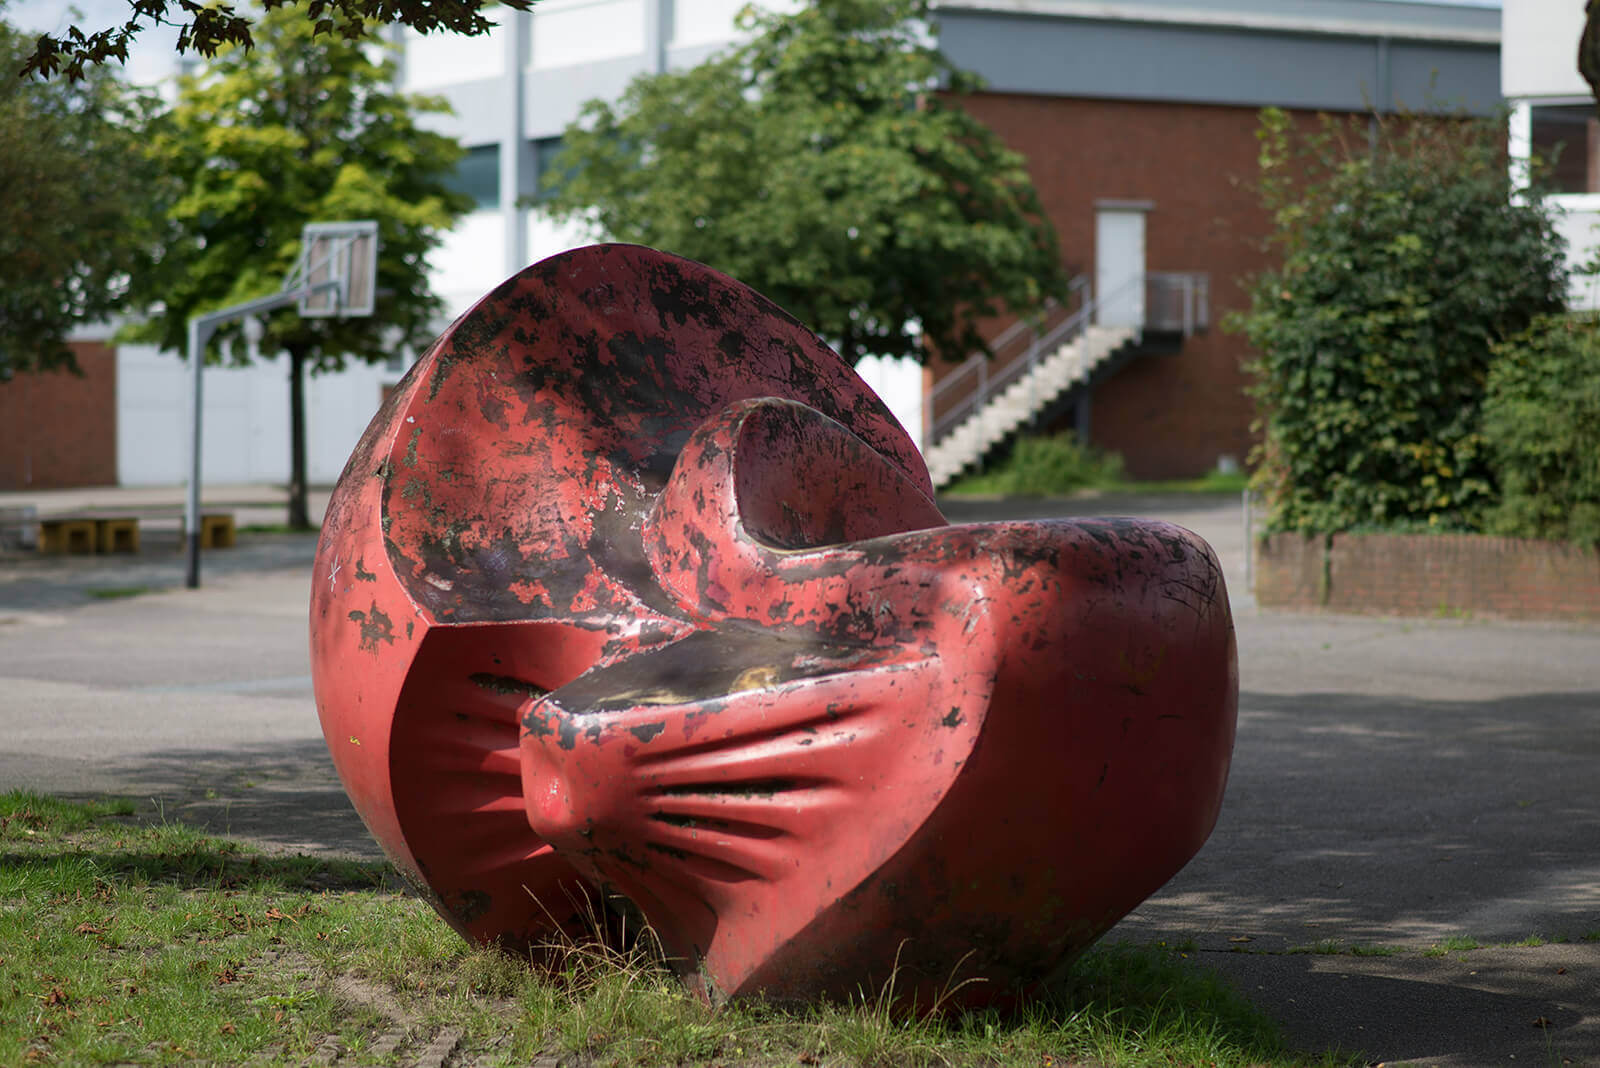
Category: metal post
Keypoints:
(199, 334)
(1249, 545)
(514, 145)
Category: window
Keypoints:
(1566, 141)
(547, 169)
(478, 176)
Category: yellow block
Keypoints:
(119, 535)
(216, 531)
(66, 535)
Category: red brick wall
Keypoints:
(61, 430)
(1170, 416)
(1429, 575)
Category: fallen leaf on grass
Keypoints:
(228, 1029)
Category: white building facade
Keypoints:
(1553, 118)
(512, 92)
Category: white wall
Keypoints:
(436, 59)
(898, 383)
(547, 238)
(470, 262)
(711, 22)
(1539, 48)
(246, 421)
(1578, 223)
(571, 32)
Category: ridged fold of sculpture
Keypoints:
(633, 593)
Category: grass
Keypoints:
(1338, 947)
(1233, 482)
(1453, 944)
(123, 941)
(108, 593)
(1058, 466)
(277, 528)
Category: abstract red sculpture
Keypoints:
(633, 591)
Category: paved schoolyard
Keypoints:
(1394, 784)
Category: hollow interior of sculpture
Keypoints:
(459, 799)
(803, 480)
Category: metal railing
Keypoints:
(1177, 301)
(1174, 301)
(1016, 350)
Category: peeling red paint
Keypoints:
(692, 637)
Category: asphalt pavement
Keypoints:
(1398, 786)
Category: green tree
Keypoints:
(79, 212)
(269, 139)
(1541, 416)
(828, 164)
(207, 27)
(1401, 262)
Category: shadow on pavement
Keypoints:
(280, 798)
(1484, 1007)
(1397, 820)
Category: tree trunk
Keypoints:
(1589, 48)
(299, 509)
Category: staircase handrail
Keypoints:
(1193, 289)
(1193, 292)
(979, 363)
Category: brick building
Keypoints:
(61, 428)
(1152, 108)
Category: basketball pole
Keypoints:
(201, 328)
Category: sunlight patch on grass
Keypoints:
(129, 941)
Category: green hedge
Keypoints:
(1541, 420)
(1401, 262)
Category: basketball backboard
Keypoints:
(345, 253)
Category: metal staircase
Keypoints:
(1038, 365)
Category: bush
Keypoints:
(1541, 419)
(1402, 262)
(1043, 467)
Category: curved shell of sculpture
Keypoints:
(633, 593)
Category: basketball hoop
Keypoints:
(335, 276)
(337, 270)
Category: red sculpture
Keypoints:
(633, 591)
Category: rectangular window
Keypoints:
(478, 176)
(1566, 143)
(547, 171)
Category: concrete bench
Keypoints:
(89, 534)
(66, 534)
(217, 530)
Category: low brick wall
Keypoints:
(1428, 575)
